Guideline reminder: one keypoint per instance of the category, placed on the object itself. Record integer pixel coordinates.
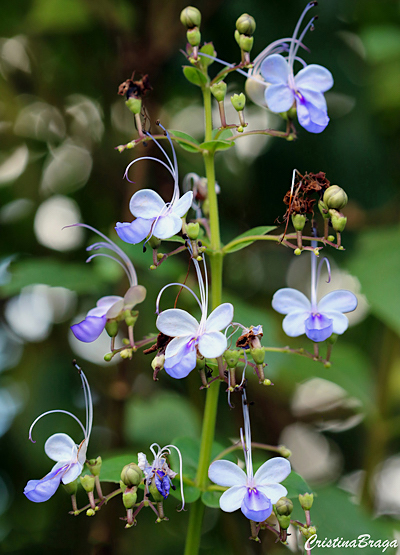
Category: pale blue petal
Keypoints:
(60, 447)
(232, 498)
(256, 506)
(289, 300)
(146, 204)
(175, 346)
(182, 205)
(89, 329)
(220, 317)
(115, 309)
(41, 490)
(167, 226)
(279, 98)
(227, 474)
(185, 365)
(212, 344)
(273, 491)
(72, 473)
(97, 311)
(340, 322)
(318, 327)
(313, 118)
(273, 470)
(339, 300)
(175, 322)
(294, 323)
(315, 78)
(275, 70)
(135, 231)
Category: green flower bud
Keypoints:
(219, 90)
(190, 17)
(131, 317)
(306, 501)
(283, 507)
(284, 521)
(238, 101)
(154, 242)
(129, 497)
(231, 357)
(112, 328)
(193, 229)
(246, 43)
(246, 24)
(298, 221)
(335, 197)
(258, 355)
(155, 493)
(131, 475)
(331, 238)
(285, 452)
(297, 251)
(71, 487)
(237, 36)
(158, 362)
(134, 104)
(108, 357)
(125, 354)
(193, 36)
(308, 532)
(90, 512)
(94, 465)
(87, 482)
(338, 220)
(323, 209)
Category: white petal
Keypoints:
(275, 70)
(176, 345)
(294, 324)
(108, 301)
(72, 473)
(287, 300)
(340, 321)
(97, 312)
(181, 206)
(167, 226)
(115, 309)
(279, 98)
(273, 470)
(273, 491)
(220, 317)
(146, 204)
(60, 447)
(339, 300)
(232, 498)
(212, 344)
(314, 77)
(175, 322)
(135, 295)
(227, 474)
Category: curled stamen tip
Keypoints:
(30, 439)
(314, 3)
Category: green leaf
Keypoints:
(222, 134)
(207, 48)
(295, 484)
(191, 493)
(260, 230)
(194, 76)
(211, 498)
(182, 135)
(213, 146)
(111, 468)
(176, 239)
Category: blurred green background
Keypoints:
(61, 62)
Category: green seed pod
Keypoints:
(246, 24)
(131, 475)
(134, 104)
(129, 497)
(190, 17)
(218, 90)
(94, 465)
(112, 328)
(306, 501)
(246, 43)
(193, 229)
(258, 355)
(193, 36)
(338, 220)
(231, 357)
(335, 197)
(298, 221)
(238, 101)
(283, 507)
(87, 482)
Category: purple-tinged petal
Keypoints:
(227, 474)
(212, 344)
(72, 473)
(135, 295)
(294, 324)
(339, 301)
(115, 309)
(232, 498)
(273, 491)
(108, 301)
(135, 231)
(340, 321)
(146, 204)
(177, 346)
(315, 78)
(41, 490)
(313, 118)
(162, 482)
(60, 447)
(288, 300)
(318, 327)
(273, 470)
(275, 70)
(167, 226)
(175, 322)
(185, 365)
(182, 205)
(256, 506)
(97, 311)
(279, 98)
(220, 317)
(89, 329)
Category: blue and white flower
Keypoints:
(153, 216)
(190, 337)
(111, 306)
(69, 457)
(253, 494)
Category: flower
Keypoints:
(253, 494)
(153, 215)
(191, 337)
(318, 320)
(159, 472)
(112, 306)
(273, 75)
(69, 456)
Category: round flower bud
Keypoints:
(193, 229)
(238, 101)
(87, 482)
(158, 362)
(284, 506)
(190, 17)
(306, 501)
(338, 220)
(131, 475)
(308, 532)
(335, 197)
(297, 251)
(94, 465)
(193, 36)
(129, 498)
(90, 512)
(218, 90)
(285, 452)
(246, 24)
(134, 104)
(246, 43)
(231, 357)
(125, 354)
(108, 357)
(298, 221)
(112, 328)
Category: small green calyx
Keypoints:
(335, 197)
(323, 209)
(131, 475)
(245, 24)
(193, 36)
(338, 220)
(94, 465)
(131, 317)
(218, 90)
(299, 221)
(238, 101)
(308, 532)
(285, 452)
(284, 521)
(134, 104)
(245, 43)
(193, 230)
(112, 328)
(129, 497)
(87, 482)
(258, 355)
(306, 501)
(71, 488)
(156, 495)
(283, 507)
(190, 17)
(231, 357)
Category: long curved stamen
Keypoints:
(175, 166)
(88, 402)
(90, 258)
(305, 31)
(296, 30)
(147, 158)
(52, 412)
(247, 437)
(179, 285)
(155, 455)
(328, 266)
(313, 299)
(180, 473)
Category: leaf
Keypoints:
(295, 484)
(194, 76)
(207, 48)
(111, 468)
(222, 135)
(260, 230)
(213, 146)
(211, 498)
(176, 239)
(182, 135)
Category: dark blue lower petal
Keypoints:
(89, 329)
(162, 482)
(41, 490)
(256, 506)
(318, 327)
